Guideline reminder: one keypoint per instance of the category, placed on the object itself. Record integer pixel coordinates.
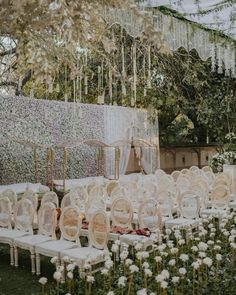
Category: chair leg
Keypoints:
(82, 273)
(38, 270)
(16, 256)
(32, 256)
(63, 272)
(11, 255)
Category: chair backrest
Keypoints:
(193, 168)
(111, 185)
(24, 215)
(130, 186)
(122, 213)
(50, 197)
(159, 173)
(11, 195)
(94, 203)
(47, 219)
(165, 200)
(165, 182)
(97, 191)
(201, 181)
(90, 185)
(175, 174)
(206, 169)
(70, 224)
(150, 187)
(32, 197)
(67, 200)
(99, 227)
(199, 191)
(189, 205)
(149, 215)
(79, 197)
(220, 196)
(183, 183)
(5, 212)
(223, 177)
(210, 176)
(118, 192)
(184, 171)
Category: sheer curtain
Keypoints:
(117, 122)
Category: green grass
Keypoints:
(20, 281)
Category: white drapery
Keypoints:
(116, 124)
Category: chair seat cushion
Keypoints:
(181, 223)
(8, 235)
(133, 239)
(53, 248)
(30, 241)
(214, 211)
(83, 255)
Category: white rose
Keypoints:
(175, 280)
(43, 280)
(90, 279)
(164, 284)
(182, 270)
(207, 261)
(57, 276)
(70, 275)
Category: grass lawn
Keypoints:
(20, 281)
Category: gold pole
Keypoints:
(36, 165)
(117, 162)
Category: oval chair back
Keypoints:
(5, 213)
(50, 197)
(99, 228)
(11, 195)
(220, 196)
(149, 215)
(47, 219)
(189, 205)
(122, 213)
(70, 224)
(24, 215)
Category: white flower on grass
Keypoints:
(70, 267)
(123, 255)
(202, 254)
(226, 233)
(142, 292)
(114, 248)
(70, 275)
(202, 246)
(87, 266)
(182, 271)
(165, 254)
(133, 268)
(43, 280)
(60, 268)
(138, 246)
(210, 242)
(66, 259)
(164, 284)
(57, 276)
(195, 264)
(217, 248)
(145, 265)
(108, 263)
(231, 238)
(181, 242)
(54, 259)
(90, 279)
(171, 262)
(148, 272)
(128, 262)
(194, 248)
(207, 261)
(165, 274)
(122, 281)
(117, 242)
(233, 245)
(142, 255)
(104, 271)
(158, 259)
(175, 280)
(174, 250)
(218, 257)
(184, 257)
(110, 293)
(159, 278)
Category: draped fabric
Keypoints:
(178, 33)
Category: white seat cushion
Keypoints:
(181, 223)
(133, 239)
(8, 235)
(29, 242)
(84, 254)
(215, 212)
(53, 248)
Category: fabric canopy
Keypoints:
(213, 14)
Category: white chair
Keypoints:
(47, 217)
(70, 226)
(184, 171)
(183, 183)
(165, 200)
(220, 196)
(159, 173)
(95, 201)
(111, 185)
(206, 169)
(32, 197)
(11, 195)
(189, 207)
(50, 197)
(118, 192)
(99, 227)
(122, 213)
(193, 168)
(67, 200)
(175, 174)
(23, 219)
(149, 215)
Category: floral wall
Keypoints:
(49, 123)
